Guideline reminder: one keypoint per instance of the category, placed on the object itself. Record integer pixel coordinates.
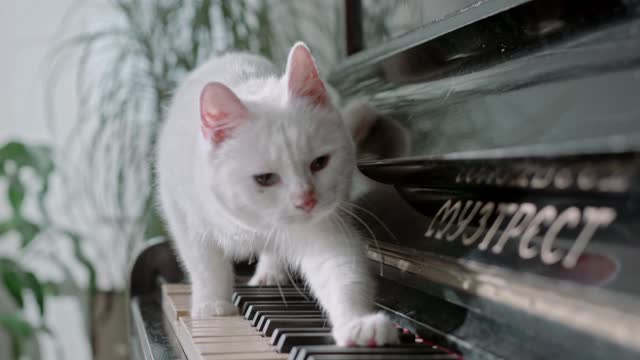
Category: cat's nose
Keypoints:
(307, 201)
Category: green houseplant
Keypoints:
(17, 160)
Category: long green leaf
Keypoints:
(15, 151)
(6, 226)
(16, 280)
(79, 254)
(15, 193)
(37, 289)
(28, 230)
(19, 330)
(13, 283)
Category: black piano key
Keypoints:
(293, 355)
(286, 294)
(279, 332)
(275, 337)
(247, 304)
(383, 357)
(264, 288)
(272, 324)
(406, 338)
(243, 287)
(268, 287)
(297, 306)
(261, 314)
(242, 299)
(280, 302)
(264, 320)
(304, 352)
(289, 340)
(274, 289)
(270, 296)
(284, 291)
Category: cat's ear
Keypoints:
(302, 76)
(220, 111)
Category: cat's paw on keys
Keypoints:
(269, 278)
(213, 308)
(370, 330)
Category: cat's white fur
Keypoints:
(216, 212)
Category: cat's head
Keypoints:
(283, 158)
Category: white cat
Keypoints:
(253, 163)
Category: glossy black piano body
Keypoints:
(515, 219)
(516, 265)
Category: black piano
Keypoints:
(512, 228)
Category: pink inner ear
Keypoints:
(220, 111)
(304, 80)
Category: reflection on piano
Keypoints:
(514, 220)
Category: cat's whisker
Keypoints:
(375, 218)
(357, 218)
(345, 229)
(373, 235)
(272, 232)
(376, 244)
(342, 226)
(286, 234)
(300, 292)
(284, 298)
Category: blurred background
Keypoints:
(84, 87)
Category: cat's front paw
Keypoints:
(371, 330)
(269, 278)
(213, 308)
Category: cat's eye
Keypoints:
(267, 179)
(319, 163)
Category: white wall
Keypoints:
(28, 31)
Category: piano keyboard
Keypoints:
(270, 327)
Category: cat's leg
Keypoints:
(336, 270)
(212, 278)
(210, 272)
(269, 271)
